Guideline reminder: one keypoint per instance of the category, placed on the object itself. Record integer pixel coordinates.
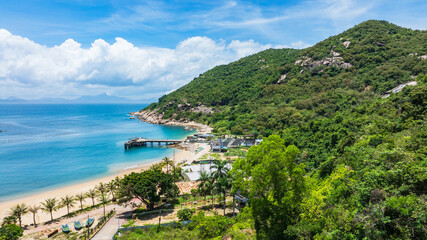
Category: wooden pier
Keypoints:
(139, 142)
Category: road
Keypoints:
(111, 227)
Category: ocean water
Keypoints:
(48, 146)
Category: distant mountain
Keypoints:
(104, 98)
(98, 99)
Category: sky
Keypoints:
(145, 49)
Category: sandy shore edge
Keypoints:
(36, 199)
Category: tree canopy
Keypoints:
(149, 186)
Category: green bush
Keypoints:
(214, 226)
(11, 232)
(185, 214)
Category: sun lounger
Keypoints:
(77, 225)
(65, 228)
(89, 222)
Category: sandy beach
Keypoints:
(181, 156)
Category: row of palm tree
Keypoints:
(218, 180)
(50, 205)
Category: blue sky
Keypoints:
(166, 34)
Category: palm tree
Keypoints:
(18, 211)
(220, 169)
(102, 188)
(168, 162)
(92, 194)
(104, 200)
(9, 220)
(81, 197)
(111, 186)
(50, 205)
(222, 184)
(34, 209)
(204, 184)
(116, 181)
(68, 201)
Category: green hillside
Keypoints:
(379, 57)
(247, 96)
(361, 168)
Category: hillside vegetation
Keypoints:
(340, 161)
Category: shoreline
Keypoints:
(73, 189)
(154, 117)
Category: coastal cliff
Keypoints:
(154, 117)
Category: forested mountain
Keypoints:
(358, 64)
(363, 154)
(287, 91)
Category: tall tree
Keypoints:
(111, 186)
(50, 205)
(148, 186)
(205, 183)
(103, 198)
(81, 197)
(274, 183)
(18, 211)
(34, 209)
(220, 169)
(92, 194)
(167, 162)
(102, 188)
(68, 201)
(223, 184)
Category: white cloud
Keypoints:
(29, 70)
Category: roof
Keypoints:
(185, 187)
(193, 173)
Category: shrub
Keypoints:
(214, 226)
(185, 214)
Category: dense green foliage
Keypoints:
(361, 168)
(275, 184)
(246, 97)
(148, 186)
(201, 227)
(10, 232)
(185, 214)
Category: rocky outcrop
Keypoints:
(399, 88)
(281, 78)
(346, 44)
(184, 106)
(334, 61)
(154, 117)
(202, 109)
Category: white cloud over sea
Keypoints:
(29, 70)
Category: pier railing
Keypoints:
(139, 142)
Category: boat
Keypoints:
(65, 228)
(77, 225)
(132, 118)
(89, 222)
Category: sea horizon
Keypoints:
(49, 146)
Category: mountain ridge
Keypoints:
(365, 62)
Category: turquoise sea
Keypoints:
(48, 146)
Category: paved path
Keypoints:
(111, 227)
